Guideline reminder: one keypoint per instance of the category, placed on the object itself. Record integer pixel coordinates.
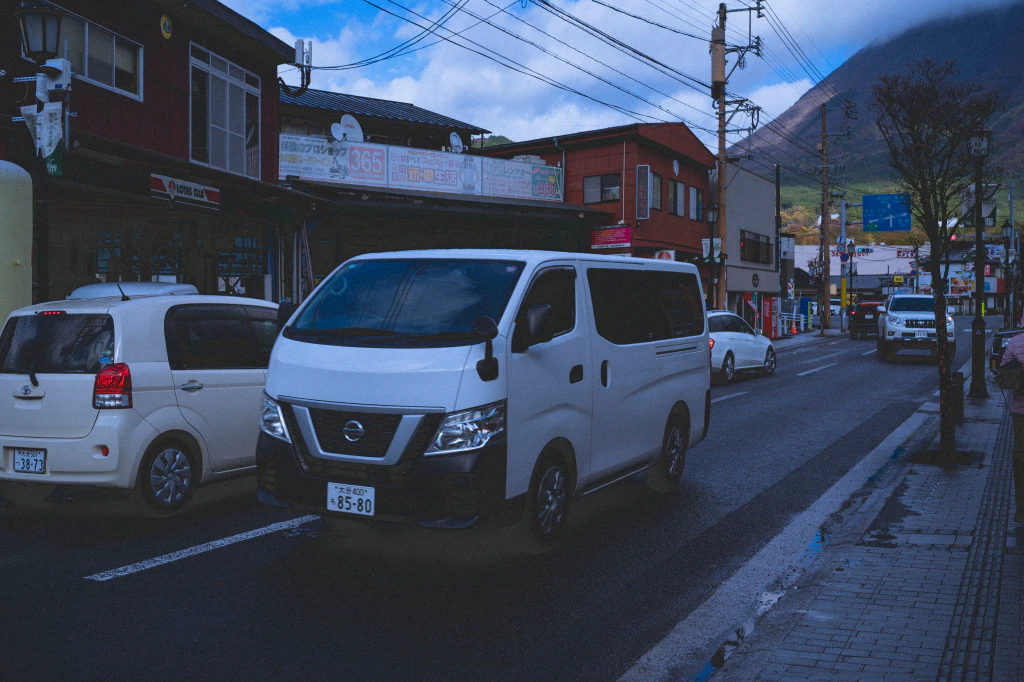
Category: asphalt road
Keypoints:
(309, 602)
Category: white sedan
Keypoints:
(735, 346)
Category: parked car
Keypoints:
(995, 355)
(451, 388)
(864, 318)
(159, 392)
(736, 346)
(908, 321)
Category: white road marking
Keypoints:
(873, 350)
(826, 356)
(817, 369)
(199, 549)
(726, 397)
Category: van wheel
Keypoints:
(549, 499)
(664, 475)
(729, 368)
(167, 476)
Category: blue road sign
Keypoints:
(886, 212)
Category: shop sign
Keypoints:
(665, 254)
(431, 171)
(184, 192)
(322, 160)
(617, 237)
(521, 180)
(47, 130)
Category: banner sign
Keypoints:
(319, 159)
(183, 191)
(519, 180)
(643, 192)
(47, 128)
(706, 249)
(988, 205)
(617, 237)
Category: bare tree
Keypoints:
(927, 114)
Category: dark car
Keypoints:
(864, 318)
(995, 355)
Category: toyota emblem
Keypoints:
(353, 431)
(26, 389)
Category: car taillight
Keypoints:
(113, 387)
(711, 344)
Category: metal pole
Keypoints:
(721, 287)
(826, 265)
(1012, 269)
(978, 389)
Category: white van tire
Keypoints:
(664, 475)
(549, 499)
(25, 494)
(174, 463)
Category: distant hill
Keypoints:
(987, 45)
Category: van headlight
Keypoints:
(468, 430)
(272, 421)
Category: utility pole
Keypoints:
(824, 312)
(978, 389)
(1012, 265)
(718, 80)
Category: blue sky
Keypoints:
(450, 80)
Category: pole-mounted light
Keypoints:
(711, 213)
(40, 29)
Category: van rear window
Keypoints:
(57, 344)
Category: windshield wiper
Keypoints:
(346, 331)
(30, 372)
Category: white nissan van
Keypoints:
(442, 388)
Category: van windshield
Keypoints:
(912, 305)
(406, 302)
(57, 343)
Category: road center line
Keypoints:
(726, 397)
(817, 369)
(873, 350)
(199, 549)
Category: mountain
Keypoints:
(987, 45)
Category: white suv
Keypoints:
(158, 392)
(908, 321)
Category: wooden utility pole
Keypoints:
(824, 310)
(718, 67)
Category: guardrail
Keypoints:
(802, 322)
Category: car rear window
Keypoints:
(57, 343)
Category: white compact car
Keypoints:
(735, 346)
(442, 388)
(160, 392)
(908, 321)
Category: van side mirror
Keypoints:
(487, 329)
(285, 309)
(539, 324)
(880, 309)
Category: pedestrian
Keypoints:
(1015, 352)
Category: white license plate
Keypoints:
(30, 461)
(869, 317)
(350, 499)
(921, 335)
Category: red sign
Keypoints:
(611, 238)
(183, 191)
(768, 316)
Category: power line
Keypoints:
(649, 21)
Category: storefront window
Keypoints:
(100, 56)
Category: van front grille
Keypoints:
(378, 432)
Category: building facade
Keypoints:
(170, 171)
(601, 171)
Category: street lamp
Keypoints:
(978, 145)
(711, 215)
(40, 37)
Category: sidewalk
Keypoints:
(924, 581)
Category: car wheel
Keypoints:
(770, 362)
(729, 368)
(167, 476)
(549, 499)
(664, 475)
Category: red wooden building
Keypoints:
(171, 170)
(601, 172)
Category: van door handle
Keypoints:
(604, 374)
(191, 386)
(576, 374)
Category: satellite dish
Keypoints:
(348, 130)
(456, 142)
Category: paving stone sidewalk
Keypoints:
(929, 587)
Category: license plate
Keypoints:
(869, 317)
(921, 335)
(30, 461)
(350, 499)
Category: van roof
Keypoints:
(530, 257)
(106, 304)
